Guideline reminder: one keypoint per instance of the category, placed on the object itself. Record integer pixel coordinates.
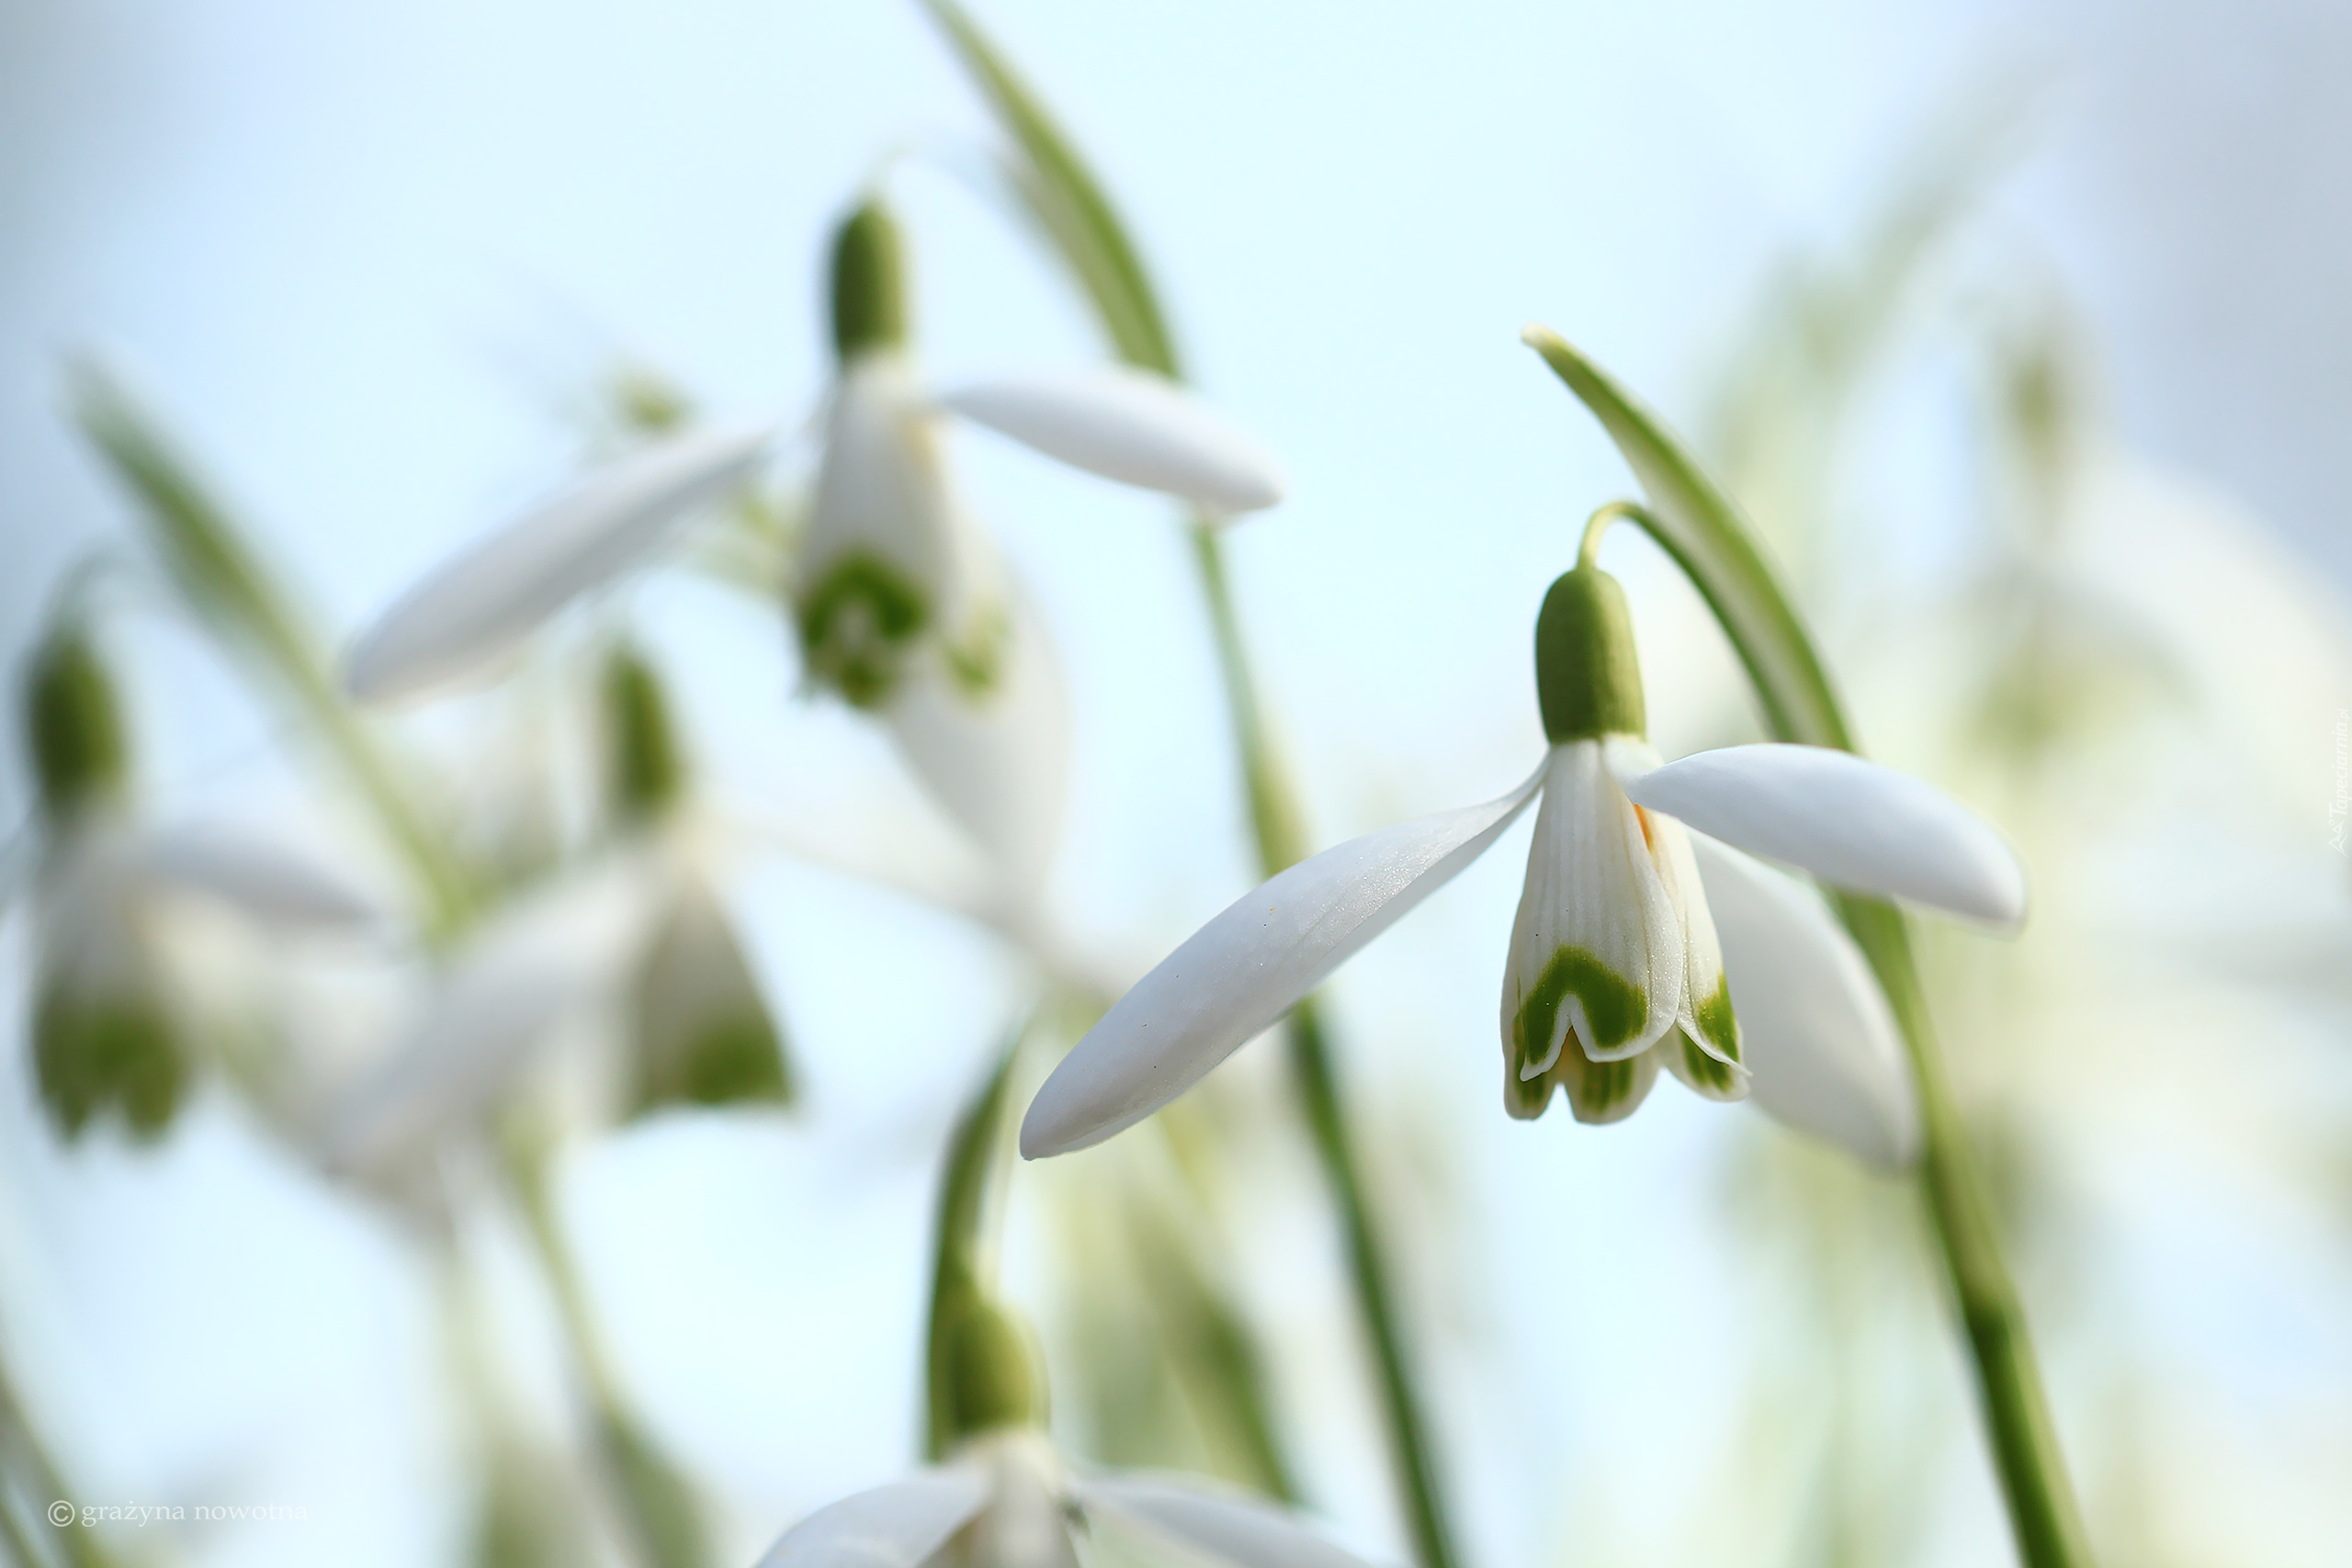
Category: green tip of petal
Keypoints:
(644, 771)
(735, 1061)
(857, 622)
(1718, 1025)
(869, 283)
(1718, 1079)
(1600, 1092)
(92, 1055)
(1614, 1008)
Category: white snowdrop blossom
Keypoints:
(1618, 964)
(107, 1031)
(901, 603)
(1004, 1499)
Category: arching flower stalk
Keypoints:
(901, 604)
(1617, 966)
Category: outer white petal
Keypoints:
(474, 608)
(997, 761)
(896, 1526)
(1822, 1049)
(1241, 1531)
(497, 1004)
(266, 879)
(1250, 966)
(1129, 425)
(1845, 820)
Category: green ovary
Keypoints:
(1614, 1008)
(855, 623)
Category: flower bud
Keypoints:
(643, 771)
(1588, 679)
(870, 284)
(72, 726)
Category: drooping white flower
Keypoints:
(1618, 965)
(901, 604)
(1006, 1500)
(107, 1031)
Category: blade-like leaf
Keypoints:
(1703, 531)
(1066, 201)
(230, 592)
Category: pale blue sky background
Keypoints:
(360, 255)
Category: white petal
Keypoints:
(1822, 1049)
(1845, 820)
(1250, 966)
(1593, 895)
(897, 1526)
(1245, 1531)
(1026, 1523)
(499, 1001)
(884, 488)
(996, 759)
(266, 879)
(1132, 426)
(475, 608)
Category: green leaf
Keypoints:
(231, 592)
(1703, 529)
(1062, 196)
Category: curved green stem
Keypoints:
(1697, 525)
(1589, 549)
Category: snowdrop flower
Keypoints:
(1003, 1498)
(900, 604)
(638, 935)
(106, 1035)
(702, 1032)
(1618, 964)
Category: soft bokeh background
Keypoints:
(371, 261)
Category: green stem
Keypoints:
(2008, 1381)
(20, 1443)
(655, 1500)
(1277, 825)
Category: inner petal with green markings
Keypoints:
(1596, 953)
(1612, 954)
